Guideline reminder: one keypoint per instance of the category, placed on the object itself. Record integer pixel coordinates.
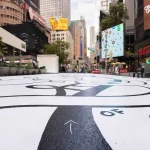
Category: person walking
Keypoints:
(142, 69)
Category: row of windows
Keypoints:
(57, 39)
(4, 24)
(58, 34)
(8, 16)
(9, 8)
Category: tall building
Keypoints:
(130, 23)
(142, 30)
(10, 13)
(78, 31)
(92, 36)
(55, 8)
(92, 40)
(82, 20)
(105, 5)
(45, 10)
(64, 36)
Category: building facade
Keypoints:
(10, 13)
(92, 36)
(142, 30)
(82, 20)
(104, 5)
(78, 32)
(30, 34)
(92, 41)
(55, 8)
(64, 36)
(45, 10)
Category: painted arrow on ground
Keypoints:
(70, 122)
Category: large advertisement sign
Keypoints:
(146, 14)
(113, 41)
(59, 24)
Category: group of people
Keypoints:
(115, 69)
(69, 69)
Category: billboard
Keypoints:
(113, 41)
(146, 14)
(30, 34)
(59, 24)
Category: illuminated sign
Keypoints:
(113, 41)
(23, 45)
(147, 9)
(146, 14)
(144, 51)
(59, 24)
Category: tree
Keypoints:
(118, 14)
(59, 48)
(2, 52)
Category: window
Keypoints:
(58, 34)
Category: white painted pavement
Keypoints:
(121, 111)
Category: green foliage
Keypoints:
(3, 65)
(12, 65)
(118, 14)
(29, 66)
(58, 48)
(2, 52)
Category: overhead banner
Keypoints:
(146, 14)
(59, 24)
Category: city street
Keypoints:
(74, 112)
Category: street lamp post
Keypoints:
(129, 64)
(106, 51)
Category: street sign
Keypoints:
(91, 50)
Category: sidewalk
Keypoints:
(127, 74)
(130, 75)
